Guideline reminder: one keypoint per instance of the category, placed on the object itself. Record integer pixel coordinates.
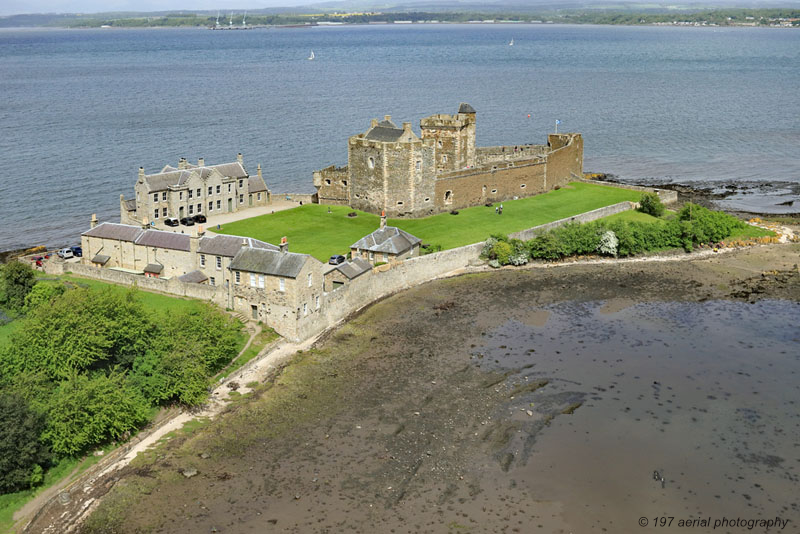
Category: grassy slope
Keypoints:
(312, 230)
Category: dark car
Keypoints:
(171, 221)
(200, 218)
(77, 251)
(187, 221)
(336, 260)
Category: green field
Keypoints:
(312, 230)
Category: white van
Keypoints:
(65, 253)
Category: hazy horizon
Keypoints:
(26, 7)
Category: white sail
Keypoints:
(512, 42)
(311, 57)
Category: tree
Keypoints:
(651, 204)
(86, 411)
(16, 281)
(42, 293)
(21, 451)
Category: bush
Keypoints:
(502, 252)
(16, 281)
(651, 204)
(702, 225)
(22, 455)
(608, 243)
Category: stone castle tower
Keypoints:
(452, 138)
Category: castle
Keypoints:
(392, 170)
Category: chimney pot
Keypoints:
(373, 123)
(201, 162)
(284, 245)
(239, 158)
(406, 126)
(383, 219)
(93, 221)
(259, 171)
(387, 117)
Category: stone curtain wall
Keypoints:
(565, 162)
(467, 187)
(330, 183)
(494, 154)
(588, 216)
(667, 196)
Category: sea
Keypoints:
(82, 110)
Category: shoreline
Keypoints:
(688, 278)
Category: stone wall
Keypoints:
(667, 196)
(473, 187)
(588, 216)
(494, 154)
(172, 286)
(331, 184)
(565, 161)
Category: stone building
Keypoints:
(190, 190)
(337, 276)
(392, 169)
(387, 244)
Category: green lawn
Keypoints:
(312, 230)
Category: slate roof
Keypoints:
(153, 268)
(259, 260)
(193, 277)
(161, 239)
(466, 108)
(171, 177)
(354, 268)
(102, 259)
(384, 133)
(121, 232)
(256, 185)
(229, 245)
(389, 239)
(130, 204)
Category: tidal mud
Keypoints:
(516, 401)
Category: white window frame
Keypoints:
(163, 212)
(261, 281)
(252, 280)
(219, 204)
(219, 188)
(155, 197)
(191, 209)
(202, 260)
(316, 300)
(218, 262)
(238, 276)
(210, 189)
(212, 281)
(310, 280)
(210, 205)
(259, 196)
(281, 284)
(305, 308)
(156, 213)
(164, 195)
(190, 193)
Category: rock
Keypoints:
(64, 497)
(98, 453)
(205, 455)
(530, 413)
(190, 472)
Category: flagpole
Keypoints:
(556, 125)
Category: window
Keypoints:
(261, 281)
(198, 192)
(371, 162)
(371, 256)
(199, 208)
(427, 199)
(419, 165)
(229, 188)
(252, 280)
(305, 308)
(399, 202)
(211, 206)
(316, 299)
(219, 262)
(156, 214)
(494, 191)
(439, 143)
(180, 195)
(281, 284)
(344, 183)
(163, 212)
(309, 279)
(219, 204)
(448, 197)
(522, 186)
(238, 277)
(191, 209)
(212, 281)
(385, 257)
(241, 199)
(164, 195)
(210, 190)
(190, 193)
(241, 184)
(155, 197)
(218, 189)
(444, 158)
(327, 181)
(202, 260)
(259, 196)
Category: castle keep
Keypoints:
(392, 169)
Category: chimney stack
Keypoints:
(239, 158)
(387, 118)
(244, 243)
(284, 245)
(93, 221)
(383, 219)
(373, 123)
(201, 162)
(182, 163)
(259, 171)
(141, 175)
(407, 127)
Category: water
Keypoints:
(81, 110)
(705, 394)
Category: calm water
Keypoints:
(82, 110)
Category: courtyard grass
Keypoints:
(310, 229)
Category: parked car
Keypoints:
(200, 218)
(336, 260)
(171, 221)
(65, 253)
(187, 221)
(77, 251)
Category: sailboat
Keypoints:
(311, 57)
(512, 42)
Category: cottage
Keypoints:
(387, 244)
(336, 276)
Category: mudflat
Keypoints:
(529, 400)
